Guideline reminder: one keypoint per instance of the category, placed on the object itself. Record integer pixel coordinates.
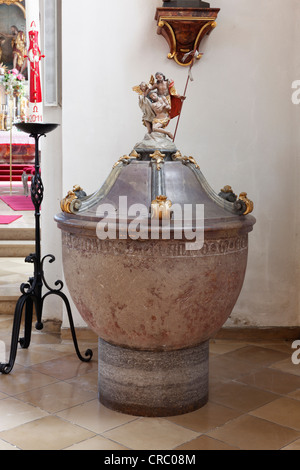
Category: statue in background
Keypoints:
(18, 42)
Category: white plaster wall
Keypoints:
(238, 122)
(51, 170)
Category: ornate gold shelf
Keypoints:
(184, 29)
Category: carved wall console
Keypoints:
(184, 29)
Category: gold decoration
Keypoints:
(169, 27)
(3, 68)
(227, 189)
(66, 203)
(142, 87)
(134, 154)
(178, 156)
(249, 204)
(77, 188)
(159, 158)
(14, 2)
(161, 207)
(127, 158)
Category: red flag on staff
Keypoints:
(176, 102)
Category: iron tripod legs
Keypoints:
(32, 298)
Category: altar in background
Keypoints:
(19, 106)
(23, 149)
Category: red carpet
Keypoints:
(8, 219)
(18, 203)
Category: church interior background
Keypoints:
(240, 122)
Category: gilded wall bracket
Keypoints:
(184, 29)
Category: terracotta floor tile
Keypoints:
(86, 382)
(151, 434)
(37, 354)
(15, 412)
(295, 394)
(67, 367)
(251, 433)
(277, 345)
(210, 416)
(293, 446)
(5, 446)
(97, 443)
(57, 396)
(284, 411)
(240, 397)
(21, 380)
(287, 366)
(259, 355)
(225, 368)
(95, 417)
(41, 337)
(273, 380)
(205, 443)
(50, 433)
(224, 346)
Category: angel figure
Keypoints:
(148, 114)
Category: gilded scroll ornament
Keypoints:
(161, 208)
(126, 159)
(158, 157)
(249, 204)
(228, 194)
(178, 156)
(72, 199)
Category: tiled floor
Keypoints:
(49, 401)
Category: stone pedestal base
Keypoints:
(153, 383)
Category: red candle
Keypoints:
(34, 61)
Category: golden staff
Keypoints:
(196, 55)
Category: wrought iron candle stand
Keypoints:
(32, 291)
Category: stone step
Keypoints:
(13, 272)
(16, 248)
(18, 233)
(8, 304)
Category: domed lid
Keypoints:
(157, 183)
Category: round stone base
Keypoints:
(153, 383)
